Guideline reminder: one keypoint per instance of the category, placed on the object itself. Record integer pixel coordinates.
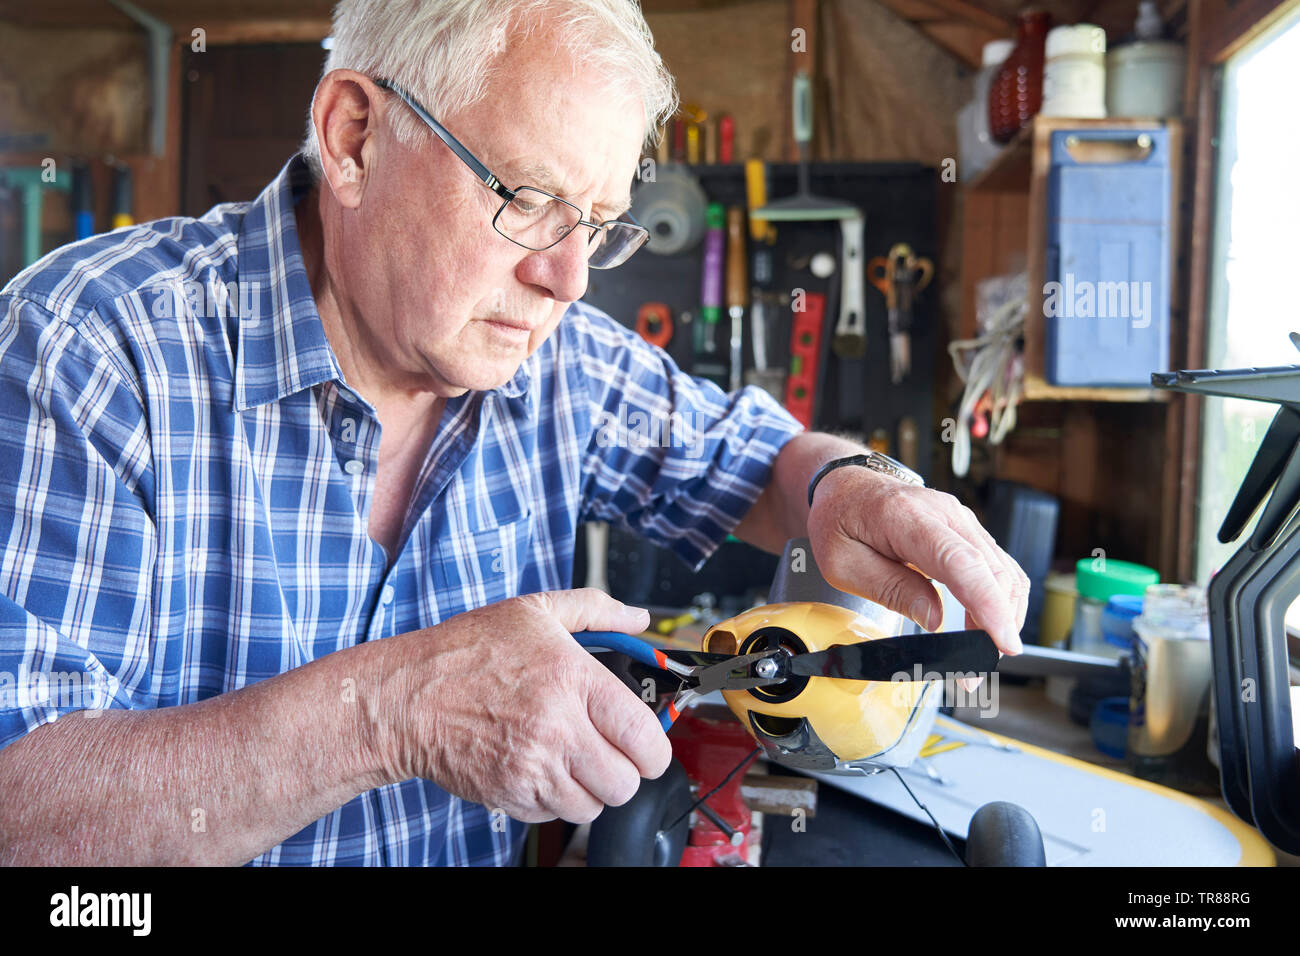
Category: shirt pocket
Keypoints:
(483, 567)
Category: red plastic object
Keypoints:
(678, 140)
(1016, 93)
(805, 350)
(726, 138)
(709, 743)
(654, 323)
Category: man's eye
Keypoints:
(528, 208)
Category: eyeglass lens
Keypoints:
(538, 221)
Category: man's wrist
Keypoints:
(874, 461)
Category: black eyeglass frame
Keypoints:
(488, 179)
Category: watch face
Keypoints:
(889, 465)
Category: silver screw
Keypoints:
(765, 668)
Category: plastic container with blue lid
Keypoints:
(1117, 619)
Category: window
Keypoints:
(1255, 258)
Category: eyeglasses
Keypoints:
(534, 218)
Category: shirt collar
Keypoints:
(282, 346)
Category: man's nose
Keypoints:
(562, 269)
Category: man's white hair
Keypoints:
(445, 52)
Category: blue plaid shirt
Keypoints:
(184, 494)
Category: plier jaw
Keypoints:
(700, 673)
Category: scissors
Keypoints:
(708, 673)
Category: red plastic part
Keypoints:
(709, 743)
(805, 349)
(726, 138)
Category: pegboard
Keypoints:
(898, 205)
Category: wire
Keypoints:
(943, 836)
(725, 780)
(992, 368)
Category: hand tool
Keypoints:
(122, 197)
(760, 230)
(654, 323)
(851, 331)
(702, 606)
(805, 356)
(737, 291)
(909, 658)
(698, 673)
(726, 138)
(711, 282)
(678, 150)
(803, 206)
(762, 310)
(695, 118)
(900, 276)
(762, 302)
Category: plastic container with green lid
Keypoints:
(1098, 580)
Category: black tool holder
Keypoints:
(1248, 599)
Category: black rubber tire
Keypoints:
(626, 835)
(1004, 834)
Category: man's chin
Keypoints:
(486, 375)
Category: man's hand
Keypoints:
(501, 706)
(882, 538)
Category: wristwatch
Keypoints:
(873, 460)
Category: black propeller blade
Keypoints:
(913, 657)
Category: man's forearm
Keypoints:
(781, 512)
(217, 782)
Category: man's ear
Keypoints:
(344, 113)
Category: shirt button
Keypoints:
(388, 594)
(353, 467)
(346, 395)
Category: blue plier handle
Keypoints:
(719, 673)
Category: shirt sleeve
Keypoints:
(670, 457)
(77, 542)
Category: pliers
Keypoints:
(710, 672)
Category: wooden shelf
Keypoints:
(1005, 231)
(1037, 389)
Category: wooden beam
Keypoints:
(229, 33)
(962, 40)
(976, 16)
(1228, 25)
(914, 11)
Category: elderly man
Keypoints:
(301, 562)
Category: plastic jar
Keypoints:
(1098, 580)
(1058, 610)
(1145, 79)
(1171, 693)
(1074, 72)
(1117, 620)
